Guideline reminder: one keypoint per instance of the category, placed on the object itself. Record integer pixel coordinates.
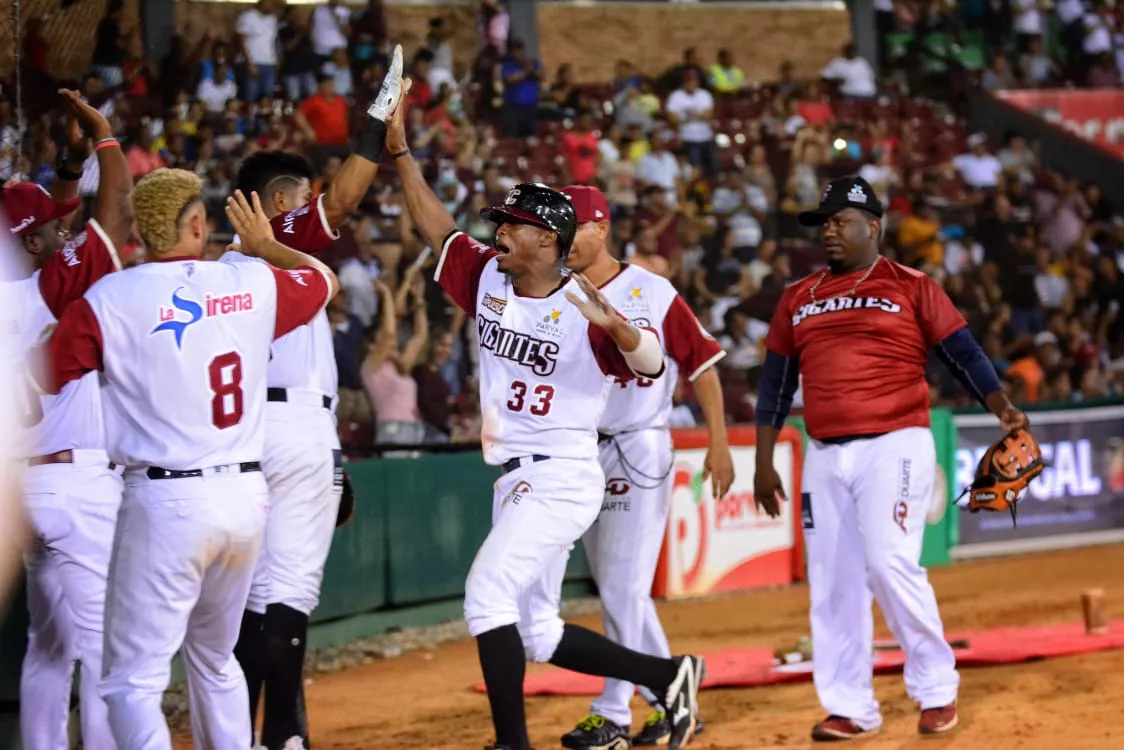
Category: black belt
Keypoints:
(512, 464)
(282, 395)
(155, 472)
(842, 439)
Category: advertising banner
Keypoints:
(1097, 115)
(1081, 492)
(727, 545)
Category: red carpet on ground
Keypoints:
(748, 667)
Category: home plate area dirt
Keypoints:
(425, 700)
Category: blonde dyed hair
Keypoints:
(159, 201)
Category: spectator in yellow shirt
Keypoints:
(725, 77)
(919, 237)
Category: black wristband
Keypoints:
(372, 140)
(400, 154)
(63, 173)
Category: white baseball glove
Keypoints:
(392, 89)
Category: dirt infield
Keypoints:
(424, 701)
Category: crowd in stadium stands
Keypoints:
(705, 171)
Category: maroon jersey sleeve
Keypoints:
(459, 267)
(305, 228)
(687, 342)
(938, 317)
(609, 356)
(76, 346)
(76, 267)
(779, 340)
(301, 294)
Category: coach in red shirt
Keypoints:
(858, 334)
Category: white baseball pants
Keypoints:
(179, 577)
(865, 504)
(302, 454)
(72, 509)
(538, 512)
(623, 547)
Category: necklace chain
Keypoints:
(869, 271)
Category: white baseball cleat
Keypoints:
(391, 92)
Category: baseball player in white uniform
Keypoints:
(302, 462)
(548, 345)
(14, 267)
(183, 345)
(71, 492)
(623, 545)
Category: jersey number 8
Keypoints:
(540, 405)
(226, 404)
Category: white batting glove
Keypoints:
(391, 92)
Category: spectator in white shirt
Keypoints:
(330, 24)
(855, 75)
(659, 167)
(440, 43)
(217, 90)
(1051, 288)
(978, 168)
(1027, 23)
(744, 208)
(1098, 32)
(256, 32)
(691, 108)
(742, 339)
(880, 173)
(357, 275)
(1038, 69)
(339, 68)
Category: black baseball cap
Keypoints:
(846, 192)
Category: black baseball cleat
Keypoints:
(657, 730)
(595, 732)
(681, 699)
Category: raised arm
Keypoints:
(430, 215)
(386, 338)
(256, 235)
(113, 206)
(412, 352)
(359, 170)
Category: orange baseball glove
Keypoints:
(1004, 472)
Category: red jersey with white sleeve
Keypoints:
(184, 346)
(304, 359)
(863, 349)
(544, 370)
(73, 419)
(650, 301)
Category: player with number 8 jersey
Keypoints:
(183, 345)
